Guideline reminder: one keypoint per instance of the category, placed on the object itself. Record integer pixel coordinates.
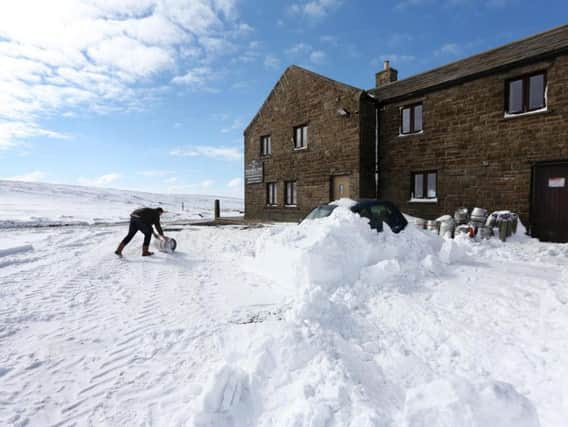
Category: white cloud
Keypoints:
(34, 176)
(394, 58)
(100, 56)
(299, 49)
(100, 181)
(332, 40)
(271, 61)
(315, 8)
(398, 39)
(198, 78)
(154, 173)
(318, 57)
(237, 124)
(131, 56)
(225, 153)
(449, 49)
(406, 4)
(235, 183)
(241, 85)
(305, 50)
(18, 130)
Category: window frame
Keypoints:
(262, 145)
(525, 94)
(294, 201)
(269, 200)
(424, 185)
(304, 140)
(412, 108)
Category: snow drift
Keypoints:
(321, 366)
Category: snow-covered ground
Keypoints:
(24, 204)
(323, 324)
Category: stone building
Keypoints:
(490, 130)
(311, 142)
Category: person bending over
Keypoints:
(142, 220)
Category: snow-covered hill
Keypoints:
(32, 204)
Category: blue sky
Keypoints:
(154, 94)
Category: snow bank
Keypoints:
(318, 367)
(455, 402)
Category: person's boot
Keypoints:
(119, 249)
(146, 252)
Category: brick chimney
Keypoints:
(386, 76)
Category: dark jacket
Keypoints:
(149, 216)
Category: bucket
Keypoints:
(461, 216)
(168, 245)
(447, 228)
(515, 222)
(433, 226)
(463, 229)
(478, 215)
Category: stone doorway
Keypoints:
(340, 187)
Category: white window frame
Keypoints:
(271, 194)
(412, 119)
(301, 143)
(265, 145)
(425, 196)
(290, 198)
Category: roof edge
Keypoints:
(304, 70)
(376, 90)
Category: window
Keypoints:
(424, 185)
(411, 119)
(291, 196)
(265, 145)
(300, 137)
(525, 94)
(271, 199)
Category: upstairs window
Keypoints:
(300, 137)
(411, 119)
(424, 185)
(265, 145)
(525, 94)
(271, 197)
(290, 195)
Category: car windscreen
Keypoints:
(321, 212)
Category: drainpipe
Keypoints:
(377, 108)
(376, 151)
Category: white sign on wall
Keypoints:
(557, 182)
(254, 172)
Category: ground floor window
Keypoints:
(424, 185)
(271, 194)
(291, 195)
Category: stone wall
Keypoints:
(482, 157)
(302, 97)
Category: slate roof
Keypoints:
(530, 49)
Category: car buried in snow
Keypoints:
(377, 211)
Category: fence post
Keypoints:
(217, 209)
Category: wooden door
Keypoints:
(340, 187)
(549, 208)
